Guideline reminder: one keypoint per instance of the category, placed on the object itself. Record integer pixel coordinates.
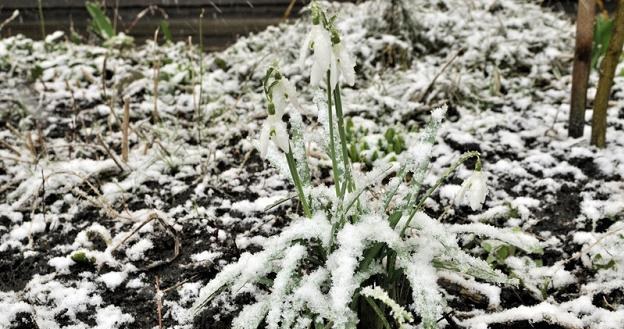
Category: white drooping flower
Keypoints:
(283, 93)
(330, 55)
(474, 189)
(319, 41)
(273, 129)
(342, 65)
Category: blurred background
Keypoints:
(223, 20)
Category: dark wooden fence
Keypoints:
(224, 20)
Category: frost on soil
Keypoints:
(507, 89)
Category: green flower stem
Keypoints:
(332, 146)
(378, 312)
(343, 141)
(292, 165)
(442, 179)
(392, 193)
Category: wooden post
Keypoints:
(607, 72)
(582, 66)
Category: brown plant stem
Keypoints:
(607, 72)
(582, 66)
(124, 130)
(158, 297)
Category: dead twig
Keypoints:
(9, 20)
(75, 121)
(427, 90)
(109, 152)
(43, 194)
(179, 284)
(158, 297)
(152, 9)
(590, 247)
(31, 145)
(124, 130)
(288, 11)
(155, 80)
(9, 147)
(168, 229)
(103, 80)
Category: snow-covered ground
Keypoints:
(85, 237)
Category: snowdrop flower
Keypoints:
(329, 52)
(319, 41)
(476, 187)
(342, 65)
(283, 93)
(273, 129)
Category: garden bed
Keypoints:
(71, 250)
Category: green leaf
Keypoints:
(378, 312)
(100, 23)
(81, 257)
(486, 246)
(394, 218)
(602, 34)
(222, 64)
(36, 72)
(389, 135)
(164, 27)
(502, 252)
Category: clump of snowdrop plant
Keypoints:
(363, 246)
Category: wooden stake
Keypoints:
(582, 66)
(607, 72)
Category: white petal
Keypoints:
(281, 136)
(279, 100)
(317, 74)
(478, 191)
(346, 64)
(305, 50)
(459, 197)
(293, 96)
(334, 73)
(322, 54)
(264, 139)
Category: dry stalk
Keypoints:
(31, 145)
(109, 152)
(14, 159)
(124, 130)
(155, 79)
(152, 9)
(158, 297)
(164, 291)
(14, 131)
(427, 90)
(9, 147)
(288, 11)
(104, 77)
(9, 20)
(168, 229)
(41, 142)
(110, 212)
(75, 121)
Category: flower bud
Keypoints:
(271, 108)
